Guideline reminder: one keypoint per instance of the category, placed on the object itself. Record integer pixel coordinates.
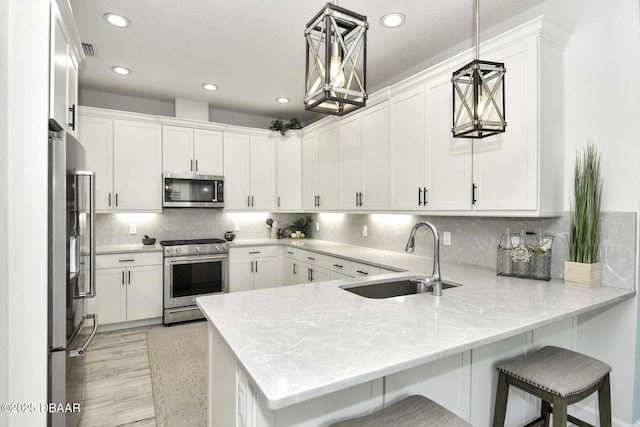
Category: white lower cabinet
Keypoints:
(253, 268)
(128, 287)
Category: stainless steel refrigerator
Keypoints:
(71, 273)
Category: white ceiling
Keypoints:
(255, 50)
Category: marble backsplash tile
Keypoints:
(473, 240)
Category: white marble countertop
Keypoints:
(116, 249)
(304, 341)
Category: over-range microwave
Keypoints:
(192, 191)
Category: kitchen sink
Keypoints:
(394, 289)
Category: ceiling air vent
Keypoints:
(89, 50)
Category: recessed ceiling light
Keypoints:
(117, 20)
(210, 86)
(121, 70)
(392, 20)
(283, 100)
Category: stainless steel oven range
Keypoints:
(192, 268)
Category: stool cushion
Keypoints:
(413, 411)
(557, 370)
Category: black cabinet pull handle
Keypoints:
(116, 200)
(191, 165)
(126, 260)
(252, 266)
(251, 201)
(294, 269)
(129, 281)
(248, 201)
(473, 194)
(424, 194)
(256, 266)
(196, 165)
(419, 196)
(338, 266)
(290, 252)
(362, 272)
(278, 201)
(109, 199)
(72, 110)
(122, 277)
(311, 258)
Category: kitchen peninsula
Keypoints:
(311, 354)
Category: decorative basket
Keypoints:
(534, 264)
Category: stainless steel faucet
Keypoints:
(434, 280)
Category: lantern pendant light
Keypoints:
(336, 40)
(478, 95)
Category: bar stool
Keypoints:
(412, 411)
(560, 378)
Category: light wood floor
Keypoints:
(118, 389)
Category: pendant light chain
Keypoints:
(477, 29)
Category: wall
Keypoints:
(113, 229)
(93, 98)
(4, 212)
(474, 240)
(23, 330)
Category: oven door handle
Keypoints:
(194, 259)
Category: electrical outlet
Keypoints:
(446, 238)
(364, 231)
(133, 228)
(236, 226)
(317, 226)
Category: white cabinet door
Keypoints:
(240, 274)
(505, 168)
(110, 302)
(407, 150)
(237, 194)
(329, 167)
(208, 152)
(447, 159)
(144, 292)
(289, 174)
(265, 274)
(320, 274)
(350, 155)
(310, 171)
(374, 142)
(63, 73)
(177, 149)
(137, 157)
(96, 135)
(291, 271)
(263, 173)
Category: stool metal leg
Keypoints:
(502, 392)
(604, 403)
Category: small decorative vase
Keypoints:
(581, 274)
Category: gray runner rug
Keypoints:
(178, 358)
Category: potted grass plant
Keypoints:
(584, 236)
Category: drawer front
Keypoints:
(128, 259)
(291, 252)
(253, 252)
(314, 258)
(340, 265)
(359, 269)
(335, 275)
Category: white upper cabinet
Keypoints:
(137, 170)
(407, 160)
(321, 168)
(250, 179)
(65, 56)
(289, 173)
(514, 173)
(189, 150)
(364, 159)
(310, 172)
(127, 158)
